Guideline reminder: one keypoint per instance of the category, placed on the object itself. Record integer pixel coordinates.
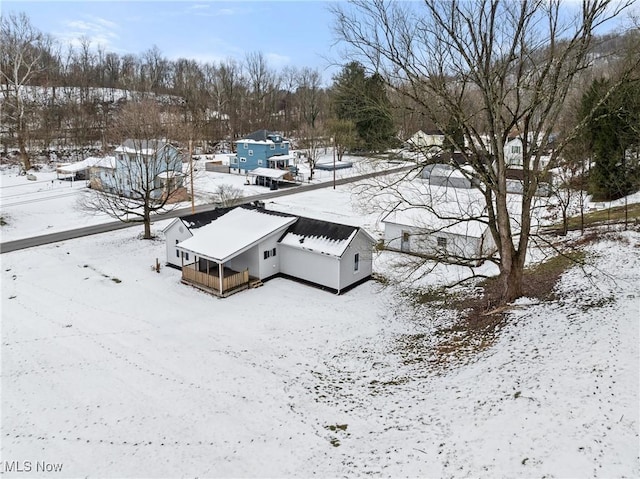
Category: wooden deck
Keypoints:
(232, 281)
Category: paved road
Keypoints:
(24, 243)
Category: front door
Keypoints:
(404, 242)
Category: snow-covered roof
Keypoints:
(429, 222)
(262, 136)
(318, 244)
(282, 157)
(169, 174)
(234, 233)
(320, 236)
(453, 210)
(268, 173)
(144, 147)
(448, 171)
(106, 162)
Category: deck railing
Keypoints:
(212, 282)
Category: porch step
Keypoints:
(255, 284)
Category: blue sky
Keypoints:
(296, 33)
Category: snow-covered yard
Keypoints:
(113, 370)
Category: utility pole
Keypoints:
(334, 163)
(193, 204)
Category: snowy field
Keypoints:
(110, 369)
(114, 370)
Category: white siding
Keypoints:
(271, 265)
(424, 243)
(363, 247)
(316, 268)
(254, 258)
(488, 245)
(393, 235)
(249, 259)
(173, 234)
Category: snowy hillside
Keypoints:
(113, 370)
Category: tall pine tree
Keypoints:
(613, 139)
(363, 100)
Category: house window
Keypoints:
(356, 262)
(405, 236)
(273, 146)
(243, 160)
(442, 242)
(266, 254)
(246, 145)
(250, 152)
(282, 146)
(186, 256)
(177, 254)
(259, 162)
(273, 252)
(516, 150)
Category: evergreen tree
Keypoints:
(363, 100)
(453, 136)
(612, 138)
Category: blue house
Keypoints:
(139, 167)
(261, 149)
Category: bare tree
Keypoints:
(343, 133)
(493, 67)
(227, 195)
(22, 49)
(145, 177)
(312, 142)
(309, 95)
(263, 84)
(229, 90)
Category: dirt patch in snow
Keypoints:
(477, 320)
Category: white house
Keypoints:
(153, 166)
(513, 152)
(419, 232)
(421, 140)
(246, 245)
(454, 226)
(183, 228)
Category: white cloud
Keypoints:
(97, 30)
(276, 60)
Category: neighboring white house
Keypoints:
(459, 229)
(154, 166)
(513, 152)
(248, 244)
(421, 141)
(420, 232)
